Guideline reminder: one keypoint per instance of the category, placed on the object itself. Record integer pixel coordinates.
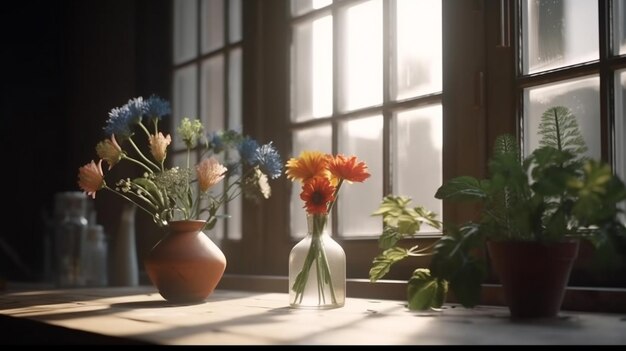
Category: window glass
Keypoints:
(362, 59)
(417, 155)
(363, 138)
(619, 23)
(212, 25)
(419, 49)
(212, 93)
(580, 95)
(312, 66)
(185, 30)
(558, 33)
(184, 99)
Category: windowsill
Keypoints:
(140, 315)
(582, 299)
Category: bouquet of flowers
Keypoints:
(178, 193)
(322, 176)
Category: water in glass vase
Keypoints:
(317, 268)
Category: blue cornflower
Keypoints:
(118, 123)
(157, 108)
(269, 160)
(247, 150)
(136, 109)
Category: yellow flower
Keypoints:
(158, 145)
(110, 151)
(91, 178)
(308, 165)
(210, 172)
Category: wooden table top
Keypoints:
(139, 314)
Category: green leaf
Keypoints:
(466, 283)
(151, 188)
(383, 262)
(388, 238)
(464, 188)
(425, 291)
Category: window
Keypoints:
(207, 69)
(417, 89)
(366, 80)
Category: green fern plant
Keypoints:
(559, 130)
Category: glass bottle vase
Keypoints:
(317, 268)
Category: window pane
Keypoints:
(234, 221)
(212, 103)
(559, 33)
(620, 123)
(417, 156)
(364, 139)
(581, 96)
(619, 20)
(418, 61)
(212, 25)
(310, 139)
(184, 99)
(312, 62)
(234, 24)
(234, 90)
(361, 65)
(185, 30)
(300, 7)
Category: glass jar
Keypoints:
(317, 268)
(69, 242)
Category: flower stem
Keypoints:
(129, 199)
(142, 155)
(137, 162)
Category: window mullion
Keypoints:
(389, 36)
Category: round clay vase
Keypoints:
(185, 266)
(533, 275)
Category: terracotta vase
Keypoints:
(533, 275)
(185, 266)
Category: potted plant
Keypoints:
(533, 213)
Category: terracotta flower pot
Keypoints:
(533, 275)
(185, 266)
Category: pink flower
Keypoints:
(210, 172)
(91, 178)
(158, 146)
(110, 151)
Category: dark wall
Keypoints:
(65, 65)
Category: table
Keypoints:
(130, 315)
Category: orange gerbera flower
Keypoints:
(317, 192)
(91, 178)
(348, 168)
(308, 165)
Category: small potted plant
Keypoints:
(533, 213)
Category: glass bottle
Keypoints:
(95, 257)
(69, 240)
(317, 268)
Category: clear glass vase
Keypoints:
(317, 268)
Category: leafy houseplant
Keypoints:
(554, 195)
